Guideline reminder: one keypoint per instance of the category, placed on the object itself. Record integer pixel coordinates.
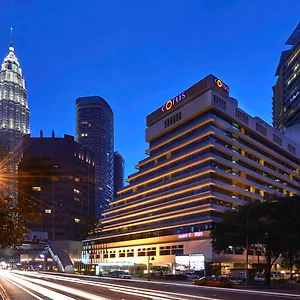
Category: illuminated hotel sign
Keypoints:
(221, 85)
(190, 235)
(173, 102)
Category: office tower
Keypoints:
(14, 120)
(59, 174)
(205, 155)
(286, 92)
(118, 173)
(95, 130)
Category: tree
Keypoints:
(13, 217)
(272, 226)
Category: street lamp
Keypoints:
(148, 266)
(247, 246)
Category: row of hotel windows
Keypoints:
(164, 250)
(199, 178)
(244, 118)
(150, 234)
(215, 115)
(194, 156)
(197, 144)
(228, 134)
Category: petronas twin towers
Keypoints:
(14, 120)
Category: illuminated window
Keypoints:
(76, 191)
(77, 220)
(48, 211)
(36, 188)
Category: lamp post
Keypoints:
(148, 266)
(247, 246)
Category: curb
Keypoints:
(3, 294)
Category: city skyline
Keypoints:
(114, 72)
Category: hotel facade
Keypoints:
(205, 155)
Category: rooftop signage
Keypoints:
(202, 86)
(173, 102)
(190, 235)
(222, 85)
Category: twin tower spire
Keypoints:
(11, 48)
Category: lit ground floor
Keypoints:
(190, 252)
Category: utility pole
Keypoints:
(148, 266)
(247, 246)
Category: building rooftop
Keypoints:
(294, 37)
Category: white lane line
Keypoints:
(114, 286)
(43, 291)
(63, 288)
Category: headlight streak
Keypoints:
(132, 290)
(60, 288)
(108, 285)
(15, 280)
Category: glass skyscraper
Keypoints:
(286, 92)
(14, 119)
(95, 130)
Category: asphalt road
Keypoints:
(32, 285)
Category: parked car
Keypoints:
(237, 280)
(274, 277)
(215, 282)
(118, 274)
(259, 278)
(192, 276)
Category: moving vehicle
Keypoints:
(215, 282)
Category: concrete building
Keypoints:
(59, 174)
(205, 155)
(286, 92)
(95, 130)
(118, 173)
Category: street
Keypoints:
(33, 285)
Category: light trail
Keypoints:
(20, 283)
(142, 292)
(82, 280)
(58, 287)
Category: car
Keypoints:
(215, 282)
(237, 280)
(259, 278)
(118, 274)
(274, 277)
(192, 276)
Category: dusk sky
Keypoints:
(139, 54)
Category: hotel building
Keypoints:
(205, 155)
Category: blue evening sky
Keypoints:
(139, 54)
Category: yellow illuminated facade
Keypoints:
(215, 158)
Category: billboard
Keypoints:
(190, 262)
